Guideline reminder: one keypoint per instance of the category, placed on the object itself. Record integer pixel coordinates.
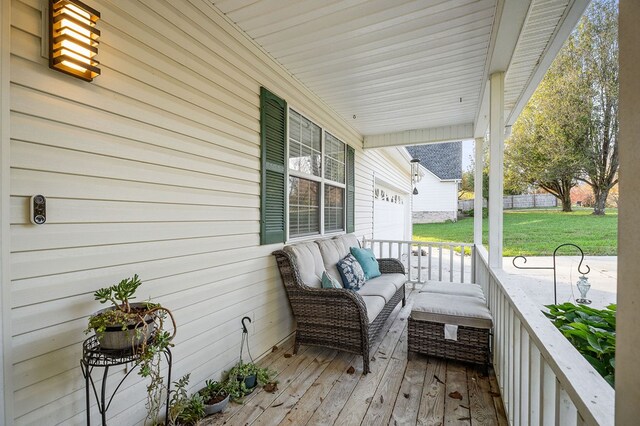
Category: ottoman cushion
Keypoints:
(458, 289)
(451, 309)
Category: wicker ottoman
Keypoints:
(467, 321)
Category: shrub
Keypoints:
(591, 331)
(470, 213)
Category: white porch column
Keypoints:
(477, 191)
(628, 315)
(496, 168)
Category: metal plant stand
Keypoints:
(94, 356)
(555, 289)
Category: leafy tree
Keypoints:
(593, 53)
(569, 129)
(542, 149)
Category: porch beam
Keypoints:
(496, 169)
(477, 191)
(420, 136)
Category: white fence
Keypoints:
(543, 379)
(524, 201)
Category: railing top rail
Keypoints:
(590, 393)
(418, 242)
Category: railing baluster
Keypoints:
(451, 263)
(534, 384)
(516, 377)
(429, 252)
(410, 247)
(524, 376)
(390, 249)
(419, 263)
(440, 262)
(400, 251)
(566, 410)
(548, 395)
(462, 264)
(473, 265)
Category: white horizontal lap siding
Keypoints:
(435, 195)
(153, 168)
(372, 165)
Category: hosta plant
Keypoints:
(591, 331)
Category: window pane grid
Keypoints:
(333, 208)
(305, 137)
(334, 159)
(304, 207)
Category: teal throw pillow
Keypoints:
(351, 273)
(329, 282)
(367, 260)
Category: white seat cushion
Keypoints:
(378, 288)
(374, 306)
(331, 252)
(451, 309)
(309, 262)
(459, 289)
(394, 280)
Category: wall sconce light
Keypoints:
(414, 175)
(73, 38)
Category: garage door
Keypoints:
(389, 214)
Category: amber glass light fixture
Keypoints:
(73, 38)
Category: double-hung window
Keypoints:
(316, 179)
(307, 182)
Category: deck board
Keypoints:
(316, 388)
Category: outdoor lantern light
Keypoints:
(73, 38)
(414, 175)
(583, 288)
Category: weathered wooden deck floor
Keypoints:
(316, 388)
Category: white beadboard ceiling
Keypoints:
(399, 65)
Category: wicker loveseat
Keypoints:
(340, 319)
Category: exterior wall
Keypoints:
(153, 169)
(434, 217)
(436, 201)
(628, 314)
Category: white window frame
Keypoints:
(320, 179)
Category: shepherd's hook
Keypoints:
(244, 327)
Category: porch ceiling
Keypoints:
(406, 64)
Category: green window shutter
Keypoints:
(351, 189)
(273, 142)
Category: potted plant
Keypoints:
(136, 327)
(250, 375)
(216, 395)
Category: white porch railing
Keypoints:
(543, 379)
(433, 261)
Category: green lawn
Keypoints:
(536, 232)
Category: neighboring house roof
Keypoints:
(443, 159)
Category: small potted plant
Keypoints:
(250, 375)
(135, 327)
(216, 395)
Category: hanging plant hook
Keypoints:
(244, 326)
